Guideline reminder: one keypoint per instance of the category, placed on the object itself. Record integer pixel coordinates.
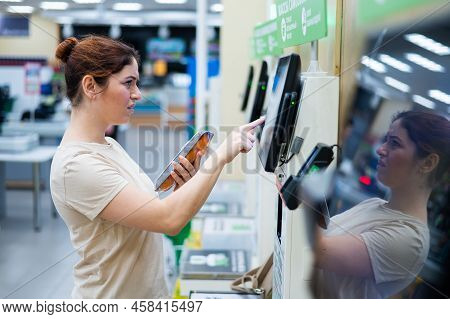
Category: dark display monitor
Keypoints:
(248, 86)
(260, 94)
(281, 112)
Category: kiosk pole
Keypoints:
(201, 66)
(315, 51)
(314, 64)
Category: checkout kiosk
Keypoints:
(301, 125)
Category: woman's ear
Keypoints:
(429, 163)
(89, 86)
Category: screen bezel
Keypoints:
(260, 94)
(248, 87)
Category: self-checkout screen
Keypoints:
(284, 95)
(260, 95)
(248, 86)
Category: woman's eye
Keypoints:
(393, 143)
(128, 84)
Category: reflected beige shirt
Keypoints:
(116, 261)
(397, 245)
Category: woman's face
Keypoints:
(397, 164)
(120, 96)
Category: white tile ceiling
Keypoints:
(148, 5)
(152, 13)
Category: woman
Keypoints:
(376, 249)
(113, 214)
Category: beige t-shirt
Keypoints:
(116, 261)
(397, 245)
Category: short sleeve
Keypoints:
(90, 183)
(395, 250)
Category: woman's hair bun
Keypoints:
(65, 48)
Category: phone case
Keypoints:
(199, 142)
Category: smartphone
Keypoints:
(198, 143)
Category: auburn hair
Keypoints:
(93, 55)
(430, 134)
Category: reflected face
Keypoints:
(121, 94)
(398, 163)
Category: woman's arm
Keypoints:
(138, 209)
(135, 208)
(345, 255)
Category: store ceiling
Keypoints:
(150, 12)
(412, 65)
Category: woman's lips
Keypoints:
(381, 163)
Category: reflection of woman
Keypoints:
(376, 249)
(108, 203)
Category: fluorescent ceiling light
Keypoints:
(20, 9)
(171, 1)
(399, 65)
(373, 64)
(87, 1)
(54, 5)
(396, 84)
(127, 6)
(423, 101)
(440, 96)
(428, 44)
(424, 62)
(11, 0)
(216, 7)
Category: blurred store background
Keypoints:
(389, 56)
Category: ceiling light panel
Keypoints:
(171, 1)
(428, 44)
(87, 1)
(20, 9)
(397, 84)
(440, 96)
(373, 64)
(216, 7)
(127, 6)
(424, 62)
(396, 64)
(423, 101)
(54, 5)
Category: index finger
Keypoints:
(254, 124)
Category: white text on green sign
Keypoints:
(301, 21)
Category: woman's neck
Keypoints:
(85, 126)
(411, 200)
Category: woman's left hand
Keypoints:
(184, 170)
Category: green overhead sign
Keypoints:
(266, 39)
(301, 21)
(373, 10)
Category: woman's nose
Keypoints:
(136, 95)
(381, 150)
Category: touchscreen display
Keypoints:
(285, 81)
(272, 111)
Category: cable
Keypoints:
(287, 161)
